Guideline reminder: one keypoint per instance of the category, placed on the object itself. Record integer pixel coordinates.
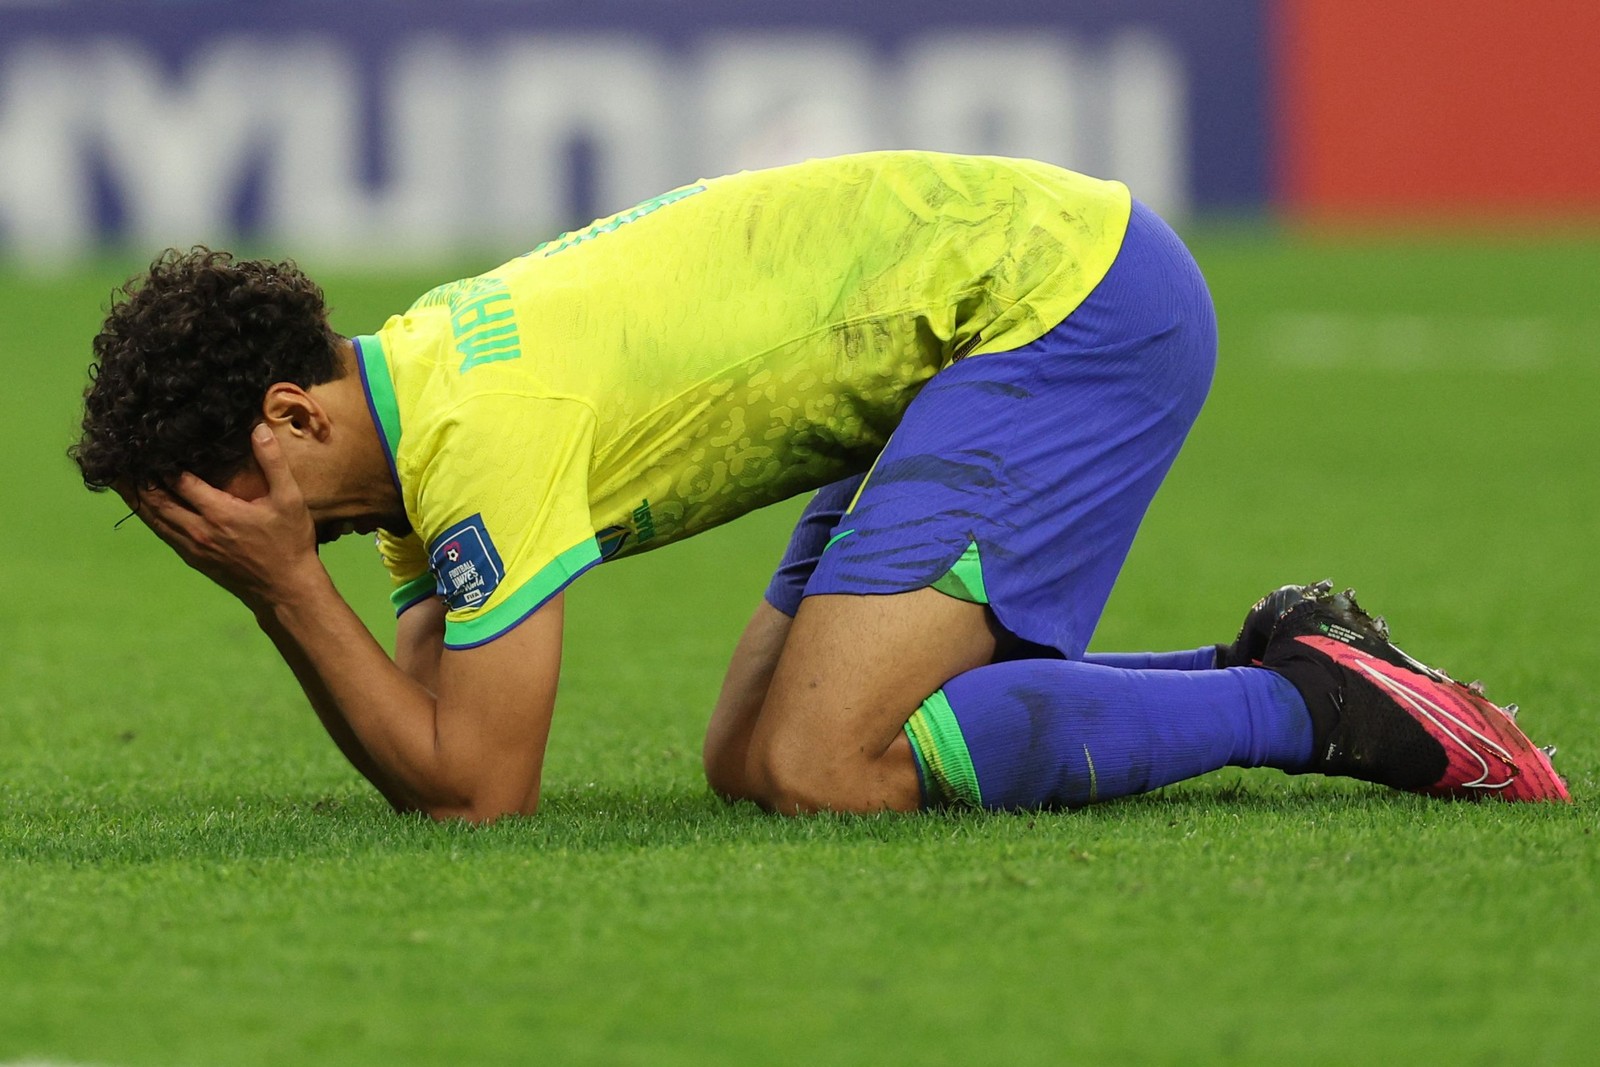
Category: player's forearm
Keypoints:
(263, 550)
(391, 717)
(331, 715)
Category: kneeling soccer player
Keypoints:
(987, 364)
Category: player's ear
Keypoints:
(289, 407)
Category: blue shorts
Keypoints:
(1018, 479)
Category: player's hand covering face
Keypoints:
(256, 549)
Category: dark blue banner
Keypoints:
(371, 129)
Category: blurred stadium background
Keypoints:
(368, 130)
(1396, 203)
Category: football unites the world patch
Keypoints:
(466, 564)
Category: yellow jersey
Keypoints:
(713, 350)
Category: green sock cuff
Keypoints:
(941, 752)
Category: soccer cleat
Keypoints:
(1248, 648)
(1381, 716)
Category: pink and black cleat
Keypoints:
(1381, 716)
(1260, 622)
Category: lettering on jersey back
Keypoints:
(633, 214)
(484, 323)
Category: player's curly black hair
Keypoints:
(185, 358)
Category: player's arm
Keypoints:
(420, 613)
(419, 642)
(471, 746)
(330, 714)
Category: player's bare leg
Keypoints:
(755, 658)
(830, 732)
(726, 752)
(744, 688)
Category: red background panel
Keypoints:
(1454, 108)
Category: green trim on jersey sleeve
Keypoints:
(964, 580)
(416, 590)
(531, 596)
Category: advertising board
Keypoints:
(372, 130)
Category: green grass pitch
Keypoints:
(189, 874)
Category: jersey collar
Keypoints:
(381, 402)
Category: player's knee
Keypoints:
(784, 789)
(726, 773)
(791, 780)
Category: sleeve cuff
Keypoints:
(412, 593)
(527, 599)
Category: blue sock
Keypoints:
(1190, 659)
(1042, 733)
